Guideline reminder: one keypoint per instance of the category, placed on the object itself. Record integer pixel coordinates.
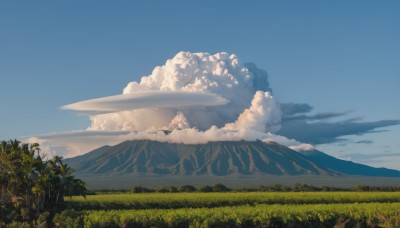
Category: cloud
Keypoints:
(254, 123)
(315, 128)
(73, 143)
(220, 74)
(290, 109)
(263, 115)
(318, 116)
(326, 132)
(146, 99)
(199, 97)
(70, 144)
(364, 142)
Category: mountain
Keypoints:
(144, 157)
(214, 159)
(347, 167)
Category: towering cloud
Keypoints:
(263, 115)
(190, 74)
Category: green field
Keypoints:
(243, 209)
(197, 200)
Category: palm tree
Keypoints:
(31, 183)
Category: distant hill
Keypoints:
(214, 159)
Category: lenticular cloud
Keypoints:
(146, 99)
(193, 98)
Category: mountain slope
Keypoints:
(347, 167)
(145, 157)
(230, 158)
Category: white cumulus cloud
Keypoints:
(220, 74)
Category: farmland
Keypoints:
(242, 209)
(209, 200)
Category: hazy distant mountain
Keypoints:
(231, 158)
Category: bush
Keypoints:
(206, 188)
(162, 190)
(140, 189)
(304, 188)
(173, 189)
(187, 188)
(220, 188)
(43, 219)
(68, 219)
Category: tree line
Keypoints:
(298, 187)
(32, 187)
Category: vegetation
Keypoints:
(40, 192)
(319, 215)
(197, 200)
(298, 187)
(187, 188)
(32, 189)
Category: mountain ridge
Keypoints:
(214, 159)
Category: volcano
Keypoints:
(141, 159)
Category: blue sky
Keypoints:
(334, 55)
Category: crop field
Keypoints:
(243, 209)
(209, 200)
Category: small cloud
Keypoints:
(364, 142)
(318, 116)
(289, 109)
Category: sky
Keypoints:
(339, 57)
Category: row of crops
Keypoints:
(210, 200)
(307, 215)
(241, 209)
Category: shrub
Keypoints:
(206, 188)
(173, 189)
(220, 188)
(187, 188)
(140, 189)
(68, 219)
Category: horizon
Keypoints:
(332, 70)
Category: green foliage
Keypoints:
(196, 200)
(140, 189)
(206, 188)
(311, 215)
(31, 187)
(187, 188)
(362, 188)
(172, 189)
(220, 188)
(43, 219)
(304, 188)
(162, 190)
(68, 219)
(298, 187)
